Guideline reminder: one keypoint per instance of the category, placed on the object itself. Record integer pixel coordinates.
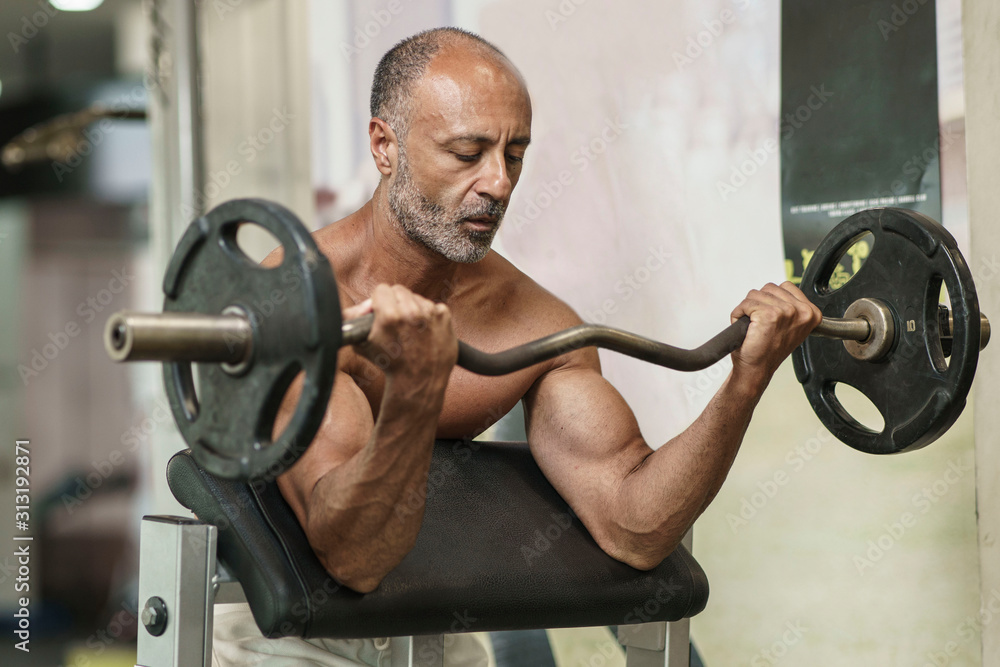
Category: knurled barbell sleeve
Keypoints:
(132, 336)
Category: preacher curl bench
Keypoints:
(497, 544)
(499, 549)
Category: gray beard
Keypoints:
(429, 223)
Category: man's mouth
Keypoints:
(482, 222)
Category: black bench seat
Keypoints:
(498, 550)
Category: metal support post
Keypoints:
(176, 596)
(658, 644)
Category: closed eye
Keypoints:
(467, 158)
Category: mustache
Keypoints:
(485, 208)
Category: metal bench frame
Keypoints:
(180, 581)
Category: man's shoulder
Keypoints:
(342, 241)
(530, 312)
(336, 240)
(523, 299)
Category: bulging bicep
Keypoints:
(347, 427)
(584, 437)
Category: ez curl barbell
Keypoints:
(913, 358)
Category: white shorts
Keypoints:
(237, 642)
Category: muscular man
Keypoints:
(451, 122)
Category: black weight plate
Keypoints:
(295, 314)
(919, 395)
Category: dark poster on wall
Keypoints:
(859, 117)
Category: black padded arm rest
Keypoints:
(499, 549)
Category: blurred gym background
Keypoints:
(639, 141)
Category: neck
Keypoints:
(396, 259)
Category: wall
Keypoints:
(619, 213)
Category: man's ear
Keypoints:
(384, 145)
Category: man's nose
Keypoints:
(494, 179)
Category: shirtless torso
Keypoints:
(493, 306)
(417, 255)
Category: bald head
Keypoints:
(405, 64)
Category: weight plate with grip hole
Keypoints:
(918, 392)
(295, 315)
